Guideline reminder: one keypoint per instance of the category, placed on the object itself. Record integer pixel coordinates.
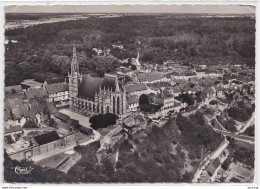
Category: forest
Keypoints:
(45, 51)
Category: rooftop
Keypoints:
(132, 99)
(57, 88)
(46, 138)
(36, 93)
(12, 129)
(55, 80)
(135, 87)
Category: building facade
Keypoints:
(95, 95)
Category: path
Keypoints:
(248, 123)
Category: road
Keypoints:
(248, 124)
(209, 158)
(224, 145)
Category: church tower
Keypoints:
(74, 79)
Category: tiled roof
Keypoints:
(57, 88)
(208, 90)
(12, 129)
(13, 89)
(36, 93)
(46, 138)
(12, 100)
(20, 111)
(54, 80)
(135, 87)
(132, 99)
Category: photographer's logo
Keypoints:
(23, 170)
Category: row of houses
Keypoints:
(53, 90)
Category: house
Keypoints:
(38, 93)
(131, 122)
(38, 111)
(209, 92)
(136, 89)
(58, 94)
(166, 100)
(19, 115)
(63, 129)
(53, 81)
(41, 144)
(133, 102)
(213, 166)
(12, 100)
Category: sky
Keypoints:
(214, 9)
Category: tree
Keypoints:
(102, 120)
(144, 100)
(30, 124)
(226, 164)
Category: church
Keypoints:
(93, 94)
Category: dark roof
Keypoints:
(92, 85)
(135, 87)
(56, 88)
(225, 82)
(73, 122)
(13, 89)
(85, 130)
(54, 80)
(12, 129)
(36, 93)
(62, 116)
(46, 138)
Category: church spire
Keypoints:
(74, 63)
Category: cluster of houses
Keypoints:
(33, 125)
